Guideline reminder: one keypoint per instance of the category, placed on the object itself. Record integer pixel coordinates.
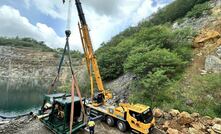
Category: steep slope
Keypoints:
(168, 59)
(26, 60)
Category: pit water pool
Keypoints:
(20, 96)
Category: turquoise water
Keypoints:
(22, 95)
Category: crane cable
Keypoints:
(74, 80)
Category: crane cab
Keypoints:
(140, 118)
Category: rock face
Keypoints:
(121, 86)
(25, 64)
(205, 36)
(212, 64)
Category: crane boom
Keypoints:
(91, 61)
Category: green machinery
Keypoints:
(56, 110)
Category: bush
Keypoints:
(177, 9)
(143, 63)
(111, 58)
(199, 9)
(25, 42)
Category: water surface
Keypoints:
(19, 96)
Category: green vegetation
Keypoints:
(74, 53)
(36, 45)
(150, 44)
(177, 9)
(158, 55)
(199, 9)
(25, 42)
(204, 91)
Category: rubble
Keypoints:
(217, 128)
(217, 121)
(187, 123)
(184, 118)
(158, 113)
(195, 115)
(172, 131)
(174, 112)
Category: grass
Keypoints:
(204, 91)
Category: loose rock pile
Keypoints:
(176, 122)
(13, 125)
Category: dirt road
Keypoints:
(28, 125)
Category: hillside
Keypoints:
(172, 60)
(169, 59)
(25, 43)
(24, 60)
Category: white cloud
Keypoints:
(13, 24)
(105, 19)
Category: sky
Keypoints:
(45, 20)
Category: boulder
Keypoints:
(166, 125)
(167, 116)
(189, 102)
(218, 52)
(194, 131)
(219, 42)
(195, 115)
(206, 35)
(158, 113)
(185, 131)
(213, 63)
(172, 131)
(217, 121)
(206, 120)
(185, 118)
(198, 126)
(210, 131)
(174, 112)
(217, 128)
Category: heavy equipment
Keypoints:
(64, 113)
(56, 110)
(102, 95)
(136, 117)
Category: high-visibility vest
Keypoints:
(91, 123)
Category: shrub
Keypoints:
(177, 9)
(199, 9)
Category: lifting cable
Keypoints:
(74, 80)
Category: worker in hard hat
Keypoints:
(91, 125)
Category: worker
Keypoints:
(91, 125)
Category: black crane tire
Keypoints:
(122, 126)
(110, 121)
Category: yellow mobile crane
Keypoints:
(136, 117)
(102, 95)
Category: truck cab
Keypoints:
(139, 117)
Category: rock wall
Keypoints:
(20, 65)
